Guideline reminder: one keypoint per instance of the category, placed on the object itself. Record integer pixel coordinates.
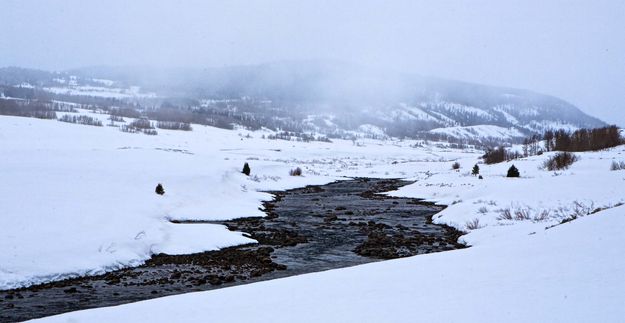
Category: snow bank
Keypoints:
(570, 273)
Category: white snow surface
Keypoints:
(481, 131)
(101, 91)
(80, 200)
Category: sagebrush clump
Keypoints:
(617, 165)
(560, 161)
(296, 172)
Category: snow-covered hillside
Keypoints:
(331, 98)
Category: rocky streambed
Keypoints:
(308, 229)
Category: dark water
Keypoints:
(307, 230)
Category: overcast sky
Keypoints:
(571, 49)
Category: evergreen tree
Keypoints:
(476, 170)
(513, 172)
(246, 169)
(159, 189)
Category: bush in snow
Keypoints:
(560, 161)
(617, 165)
(513, 172)
(159, 189)
(475, 170)
(296, 172)
(455, 165)
(474, 224)
(246, 169)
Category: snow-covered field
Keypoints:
(80, 200)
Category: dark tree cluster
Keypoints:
(141, 124)
(32, 109)
(583, 139)
(296, 136)
(125, 112)
(498, 155)
(173, 125)
(531, 145)
(81, 119)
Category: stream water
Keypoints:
(307, 230)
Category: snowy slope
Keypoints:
(297, 95)
(479, 132)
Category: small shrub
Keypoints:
(246, 169)
(560, 161)
(513, 172)
(617, 165)
(505, 214)
(480, 177)
(455, 166)
(296, 172)
(159, 189)
(475, 170)
(150, 132)
(474, 224)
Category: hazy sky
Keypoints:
(571, 49)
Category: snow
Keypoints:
(99, 91)
(542, 126)
(80, 200)
(481, 131)
(503, 109)
(461, 108)
(570, 273)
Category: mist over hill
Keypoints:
(328, 97)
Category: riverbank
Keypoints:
(309, 229)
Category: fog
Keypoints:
(571, 49)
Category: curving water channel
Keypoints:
(307, 230)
